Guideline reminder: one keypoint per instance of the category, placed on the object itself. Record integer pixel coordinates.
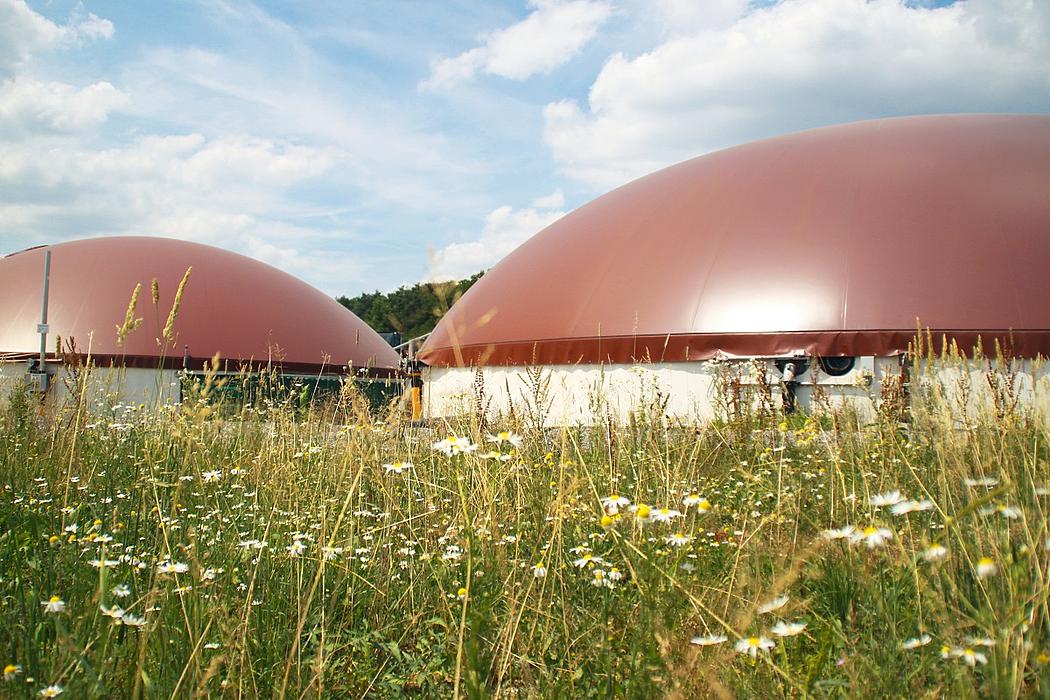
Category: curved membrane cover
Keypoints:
(836, 241)
(241, 309)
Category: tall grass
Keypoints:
(265, 550)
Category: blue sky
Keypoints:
(364, 144)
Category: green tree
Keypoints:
(411, 311)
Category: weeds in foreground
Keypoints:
(280, 551)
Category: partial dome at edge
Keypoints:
(835, 241)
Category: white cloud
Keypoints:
(28, 105)
(379, 148)
(554, 200)
(505, 229)
(231, 192)
(93, 27)
(799, 64)
(253, 133)
(23, 32)
(549, 37)
(688, 16)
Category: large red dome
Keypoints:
(834, 241)
(233, 306)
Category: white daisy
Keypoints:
(752, 645)
(889, 498)
(980, 641)
(905, 507)
(695, 499)
(587, 559)
(773, 605)
(916, 642)
(130, 620)
(397, 467)
(709, 640)
(873, 536)
(506, 436)
(665, 515)
(168, 566)
(788, 629)
(986, 567)
(453, 445)
(842, 533)
(935, 552)
(114, 612)
(54, 604)
(614, 503)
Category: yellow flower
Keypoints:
(614, 503)
(872, 536)
(643, 512)
(11, 671)
(752, 645)
(461, 593)
(607, 521)
(54, 604)
(986, 567)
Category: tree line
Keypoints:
(410, 311)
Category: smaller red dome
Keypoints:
(239, 308)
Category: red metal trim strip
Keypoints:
(696, 347)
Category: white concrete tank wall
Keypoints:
(114, 385)
(682, 391)
(697, 391)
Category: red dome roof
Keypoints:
(829, 242)
(240, 308)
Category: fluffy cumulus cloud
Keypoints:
(23, 31)
(750, 71)
(554, 32)
(227, 192)
(505, 229)
(171, 167)
(186, 186)
(30, 106)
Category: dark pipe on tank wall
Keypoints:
(789, 370)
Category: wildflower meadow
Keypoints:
(322, 549)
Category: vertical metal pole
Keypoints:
(43, 311)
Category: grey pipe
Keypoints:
(43, 311)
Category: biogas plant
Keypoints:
(147, 312)
(800, 266)
(825, 268)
